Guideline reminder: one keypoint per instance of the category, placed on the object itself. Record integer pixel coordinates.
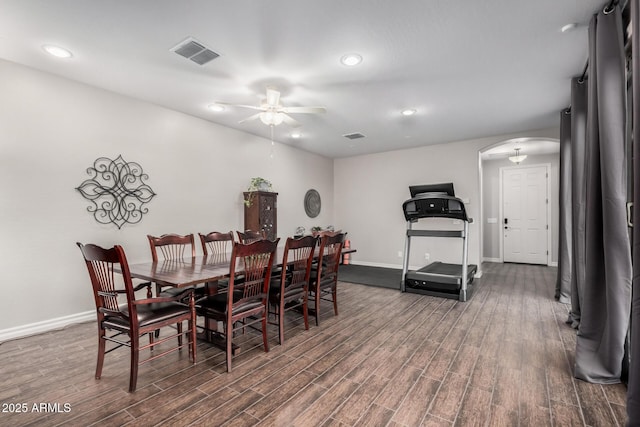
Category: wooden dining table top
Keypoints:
(183, 272)
(191, 271)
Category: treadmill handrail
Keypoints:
(436, 233)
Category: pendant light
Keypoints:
(517, 157)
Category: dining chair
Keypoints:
(217, 245)
(250, 236)
(292, 290)
(136, 317)
(324, 278)
(171, 247)
(243, 304)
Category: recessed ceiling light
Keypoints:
(568, 27)
(216, 108)
(57, 51)
(409, 112)
(296, 135)
(351, 59)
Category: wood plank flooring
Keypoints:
(389, 359)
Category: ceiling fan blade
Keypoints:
(253, 107)
(304, 110)
(255, 116)
(290, 121)
(273, 97)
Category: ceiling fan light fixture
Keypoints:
(408, 112)
(351, 59)
(57, 51)
(517, 157)
(271, 118)
(568, 27)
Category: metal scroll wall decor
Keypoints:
(117, 191)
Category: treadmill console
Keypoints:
(434, 205)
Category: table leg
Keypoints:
(211, 288)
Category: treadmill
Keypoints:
(439, 279)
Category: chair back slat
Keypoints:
(172, 246)
(298, 258)
(102, 264)
(330, 251)
(257, 260)
(217, 245)
(255, 270)
(106, 284)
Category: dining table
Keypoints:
(192, 271)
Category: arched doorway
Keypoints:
(539, 150)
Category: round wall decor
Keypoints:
(312, 203)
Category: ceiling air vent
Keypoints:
(195, 51)
(355, 135)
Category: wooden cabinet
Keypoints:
(261, 214)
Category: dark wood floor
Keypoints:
(503, 358)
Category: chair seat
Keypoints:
(217, 302)
(294, 292)
(148, 314)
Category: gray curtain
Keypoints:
(578, 194)
(606, 295)
(633, 387)
(563, 281)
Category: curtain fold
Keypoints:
(578, 195)
(563, 281)
(633, 387)
(606, 295)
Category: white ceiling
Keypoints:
(471, 68)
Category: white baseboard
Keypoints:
(45, 326)
(491, 260)
(377, 264)
(553, 264)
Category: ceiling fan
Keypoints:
(272, 113)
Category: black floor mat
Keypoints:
(374, 276)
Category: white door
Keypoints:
(524, 214)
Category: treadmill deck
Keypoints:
(439, 279)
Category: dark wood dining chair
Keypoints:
(292, 290)
(243, 304)
(217, 245)
(324, 278)
(136, 317)
(250, 236)
(171, 247)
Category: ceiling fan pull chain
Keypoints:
(271, 153)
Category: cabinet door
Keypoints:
(267, 214)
